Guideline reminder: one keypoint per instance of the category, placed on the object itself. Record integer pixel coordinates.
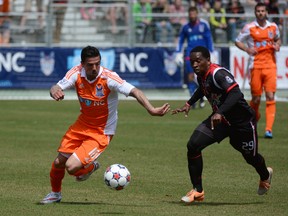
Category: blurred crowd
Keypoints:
(157, 21)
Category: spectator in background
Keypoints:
(28, 8)
(203, 6)
(177, 21)
(112, 14)
(197, 33)
(217, 18)
(273, 9)
(88, 13)
(142, 23)
(234, 22)
(162, 23)
(59, 13)
(4, 22)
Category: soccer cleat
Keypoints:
(268, 134)
(265, 185)
(86, 176)
(192, 196)
(52, 197)
(202, 104)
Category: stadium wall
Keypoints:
(149, 68)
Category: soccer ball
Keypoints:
(117, 176)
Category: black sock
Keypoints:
(195, 166)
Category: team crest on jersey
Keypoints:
(228, 79)
(270, 34)
(47, 63)
(99, 90)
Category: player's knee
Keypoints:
(256, 100)
(71, 169)
(192, 148)
(72, 165)
(59, 163)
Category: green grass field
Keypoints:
(153, 149)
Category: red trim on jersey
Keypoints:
(231, 87)
(211, 69)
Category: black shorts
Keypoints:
(242, 137)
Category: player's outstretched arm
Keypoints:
(185, 109)
(56, 92)
(142, 99)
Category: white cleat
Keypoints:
(52, 197)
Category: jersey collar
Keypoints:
(83, 73)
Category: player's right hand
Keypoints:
(57, 93)
(185, 109)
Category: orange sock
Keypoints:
(270, 114)
(255, 107)
(56, 176)
(84, 171)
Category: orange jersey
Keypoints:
(98, 98)
(261, 39)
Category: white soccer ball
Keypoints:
(117, 176)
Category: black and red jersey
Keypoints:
(222, 91)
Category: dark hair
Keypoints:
(88, 52)
(203, 50)
(260, 4)
(192, 8)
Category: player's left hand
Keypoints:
(215, 120)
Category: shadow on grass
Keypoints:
(93, 203)
(215, 203)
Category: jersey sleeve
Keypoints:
(244, 34)
(115, 83)
(277, 32)
(181, 39)
(69, 79)
(224, 80)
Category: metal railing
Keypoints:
(76, 31)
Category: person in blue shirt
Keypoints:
(197, 33)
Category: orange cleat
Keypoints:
(192, 196)
(264, 186)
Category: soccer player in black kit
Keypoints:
(231, 117)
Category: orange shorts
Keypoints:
(263, 79)
(86, 142)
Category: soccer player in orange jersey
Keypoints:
(261, 39)
(97, 90)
